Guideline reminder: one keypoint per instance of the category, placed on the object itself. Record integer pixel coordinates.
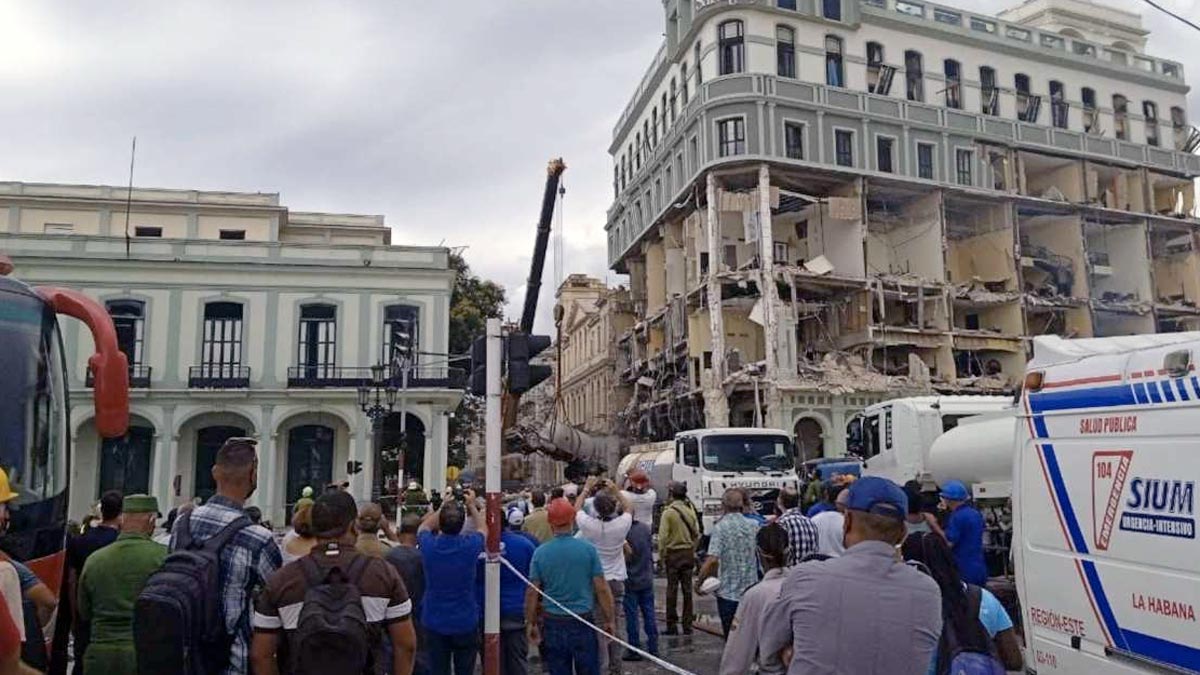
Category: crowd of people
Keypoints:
(853, 576)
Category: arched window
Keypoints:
(221, 344)
(989, 95)
(309, 458)
(316, 343)
(914, 75)
(953, 72)
(731, 47)
(835, 72)
(129, 318)
(1150, 112)
(401, 332)
(874, 66)
(1120, 117)
(785, 51)
(125, 462)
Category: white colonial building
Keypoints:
(241, 318)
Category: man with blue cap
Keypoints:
(865, 612)
(964, 532)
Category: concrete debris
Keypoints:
(1122, 302)
(1054, 194)
(986, 382)
(843, 373)
(819, 266)
(977, 291)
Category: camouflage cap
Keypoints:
(140, 504)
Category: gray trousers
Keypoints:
(514, 646)
(611, 652)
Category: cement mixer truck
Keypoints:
(710, 461)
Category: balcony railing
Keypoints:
(218, 376)
(139, 377)
(332, 377)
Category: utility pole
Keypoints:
(491, 613)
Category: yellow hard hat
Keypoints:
(6, 493)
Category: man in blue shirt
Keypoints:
(964, 532)
(517, 548)
(449, 611)
(639, 589)
(567, 569)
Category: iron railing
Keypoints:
(218, 376)
(329, 377)
(139, 377)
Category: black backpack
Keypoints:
(332, 634)
(178, 622)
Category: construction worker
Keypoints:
(111, 581)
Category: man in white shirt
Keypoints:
(829, 527)
(606, 531)
(641, 497)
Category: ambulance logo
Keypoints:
(1109, 471)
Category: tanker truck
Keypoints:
(709, 461)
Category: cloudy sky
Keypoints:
(439, 115)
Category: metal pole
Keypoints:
(491, 614)
(403, 427)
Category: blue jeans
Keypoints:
(459, 650)
(642, 602)
(727, 609)
(569, 647)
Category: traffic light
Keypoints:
(353, 467)
(522, 375)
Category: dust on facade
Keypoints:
(825, 204)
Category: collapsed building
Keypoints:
(802, 240)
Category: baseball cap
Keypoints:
(639, 478)
(879, 496)
(955, 490)
(571, 490)
(560, 513)
(516, 518)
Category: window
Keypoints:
(699, 71)
(884, 148)
(1053, 41)
(731, 137)
(914, 76)
(317, 342)
(637, 152)
(832, 9)
(793, 137)
(1018, 34)
(129, 318)
(1121, 117)
(1178, 118)
(694, 153)
(786, 4)
(843, 147)
(1058, 104)
(1117, 57)
(910, 8)
(1150, 112)
(233, 235)
(983, 25)
(874, 65)
(683, 81)
(646, 136)
(925, 160)
(947, 17)
(401, 332)
(1026, 104)
(834, 72)
(964, 161)
(1170, 70)
(58, 228)
(221, 341)
(730, 48)
(779, 252)
(785, 51)
(654, 127)
(953, 72)
(1090, 113)
(673, 97)
(143, 231)
(1083, 48)
(988, 93)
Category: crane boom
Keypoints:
(533, 285)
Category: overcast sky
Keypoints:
(439, 115)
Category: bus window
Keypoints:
(689, 452)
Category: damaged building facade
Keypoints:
(822, 204)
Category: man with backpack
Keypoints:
(332, 606)
(193, 617)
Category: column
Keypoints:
(268, 495)
(769, 293)
(716, 406)
(160, 475)
(362, 483)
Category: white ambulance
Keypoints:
(1104, 503)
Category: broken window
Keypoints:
(874, 64)
(1058, 104)
(884, 147)
(1091, 116)
(1121, 117)
(731, 48)
(1150, 112)
(925, 160)
(843, 142)
(914, 75)
(793, 134)
(963, 165)
(832, 9)
(785, 51)
(834, 70)
(1028, 105)
(953, 71)
(989, 95)
(732, 137)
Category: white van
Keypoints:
(1108, 456)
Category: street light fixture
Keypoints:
(378, 397)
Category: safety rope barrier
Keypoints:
(666, 665)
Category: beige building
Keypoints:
(241, 317)
(825, 203)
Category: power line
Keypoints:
(1171, 14)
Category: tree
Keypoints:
(472, 303)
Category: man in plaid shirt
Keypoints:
(250, 556)
(802, 534)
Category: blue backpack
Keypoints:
(968, 653)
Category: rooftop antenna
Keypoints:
(129, 196)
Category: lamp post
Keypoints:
(377, 398)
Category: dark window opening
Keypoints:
(989, 95)
(883, 154)
(843, 142)
(731, 48)
(316, 350)
(832, 9)
(1027, 104)
(785, 51)
(874, 66)
(125, 462)
(674, 95)
(221, 342)
(1091, 116)
(786, 4)
(964, 161)
(953, 72)
(914, 75)
(401, 332)
(1150, 112)
(925, 161)
(1058, 104)
(1121, 117)
(731, 137)
(699, 70)
(793, 135)
(834, 70)
(129, 319)
(144, 231)
(683, 84)
(233, 235)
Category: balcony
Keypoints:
(139, 377)
(335, 377)
(218, 376)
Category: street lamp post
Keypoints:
(377, 398)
